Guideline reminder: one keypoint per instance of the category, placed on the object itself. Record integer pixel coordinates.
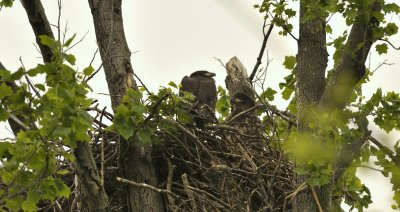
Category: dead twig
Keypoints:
(147, 186)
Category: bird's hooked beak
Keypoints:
(236, 100)
(210, 74)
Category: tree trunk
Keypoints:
(40, 25)
(135, 161)
(312, 59)
(93, 192)
(312, 93)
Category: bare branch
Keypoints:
(147, 186)
(386, 150)
(260, 55)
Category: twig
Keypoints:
(391, 44)
(59, 19)
(94, 56)
(300, 188)
(171, 169)
(154, 108)
(144, 86)
(220, 61)
(260, 55)
(16, 119)
(316, 198)
(94, 73)
(189, 192)
(28, 80)
(79, 41)
(381, 64)
(102, 150)
(243, 112)
(386, 150)
(147, 186)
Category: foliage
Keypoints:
(54, 118)
(328, 132)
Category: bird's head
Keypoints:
(240, 98)
(202, 73)
(241, 102)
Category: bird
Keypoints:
(247, 123)
(202, 85)
(240, 102)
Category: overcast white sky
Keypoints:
(174, 38)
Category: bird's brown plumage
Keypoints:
(247, 123)
(241, 102)
(202, 85)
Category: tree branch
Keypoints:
(40, 25)
(260, 55)
(386, 150)
(348, 153)
(351, 66)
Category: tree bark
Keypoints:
(93, 192)
(351, 66)
(312, 59)
(237, 80)
(312, 93)
(40, 25)
(135, 161)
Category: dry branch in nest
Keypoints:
(224, 170)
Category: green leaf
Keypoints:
(172, 84)
(391, 29)
(48, 41)
(31, 199)
(290, 62)
(63, 172)
(286, 93)
(15, 203)
(70, 59)
(328, 29)
(5, 90)
(62, 189)
(381, 48)
(392, 7)
(4, 148)
(379, 16)
(123, 122)
(144, 135)
(28, 205)
(290, 13)
(40, 69)
(7, 3)
(3, 114)
(69, 41)
(268, 94)
(40, 87)
(18, 74)
(88, 71)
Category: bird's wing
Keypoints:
(208, 92)
(190, 84)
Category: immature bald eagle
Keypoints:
(241, 102)
(247, 123)
(202, 85)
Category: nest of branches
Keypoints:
(223, 168)
(235, 165)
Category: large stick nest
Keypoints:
(222, 169)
